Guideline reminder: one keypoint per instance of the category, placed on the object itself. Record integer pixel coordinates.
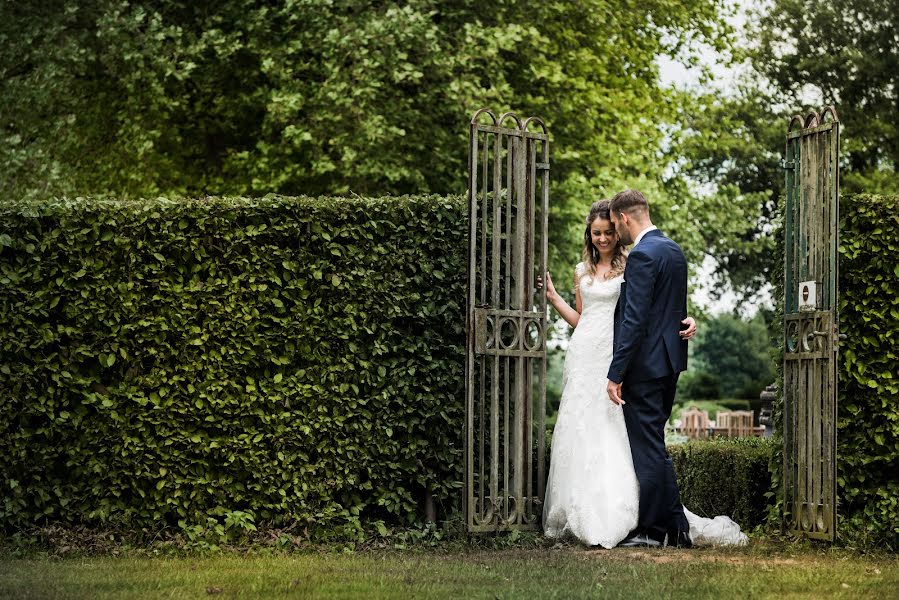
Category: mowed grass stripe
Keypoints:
(564, 573)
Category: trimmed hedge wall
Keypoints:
(278, 360)
(271, 360)
(726, 477)
(868, 420)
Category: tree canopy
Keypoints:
(731, 359)
(800, 56)
(310, 97)
(846, 53)
(161, 97)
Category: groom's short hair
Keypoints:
(630, 202)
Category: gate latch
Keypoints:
(787, 165)
(810, 336)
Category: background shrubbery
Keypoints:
(276, 360)
(730, 358)
(725, 477)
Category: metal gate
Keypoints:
(506, 323)
(810, 324)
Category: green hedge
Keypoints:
(275, 360)
(725, 477)
(868, 420)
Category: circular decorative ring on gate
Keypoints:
(507, 333)
(792, 336)
(806, 334)
(533, 335)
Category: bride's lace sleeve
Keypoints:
(579, 271)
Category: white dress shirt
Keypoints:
(642, 233)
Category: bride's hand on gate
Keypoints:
(690, 330)
(550, 288)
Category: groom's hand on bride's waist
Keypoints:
(614, 390)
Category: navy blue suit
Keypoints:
(649, 355)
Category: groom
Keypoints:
(649, 355)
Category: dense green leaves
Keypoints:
(279, 360)
(869, 367)
(842, 52)
(799, 55)
(294, 359)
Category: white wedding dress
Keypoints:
(592, 491)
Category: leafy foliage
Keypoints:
(776, 335)
(732, 146)
(731, 356)
(852, 65)
(342, 96)
(868, 420)
(699, 384)
(228, 362)
(799, 55)
(725, 477)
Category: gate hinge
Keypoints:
(542, 166)
(787, 165)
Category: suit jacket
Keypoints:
(652, 304)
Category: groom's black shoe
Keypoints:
(640, 541)
(678, 539)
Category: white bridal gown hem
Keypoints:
(592, 490)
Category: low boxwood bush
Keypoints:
(725, 477)
(244, 361)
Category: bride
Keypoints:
(592, 490)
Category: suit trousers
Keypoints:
(646, 410)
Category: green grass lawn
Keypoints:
(761, 570)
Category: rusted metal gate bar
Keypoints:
(810, 324)
(508, 196)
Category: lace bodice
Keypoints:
(592, 338)
(597, 292)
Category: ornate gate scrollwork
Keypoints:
(506, 323)
(811, 337)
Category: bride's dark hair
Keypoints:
(600, 210)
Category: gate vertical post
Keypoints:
(505, 326)
(811, 339)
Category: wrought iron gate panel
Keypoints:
(811, 335)
(506, 323)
